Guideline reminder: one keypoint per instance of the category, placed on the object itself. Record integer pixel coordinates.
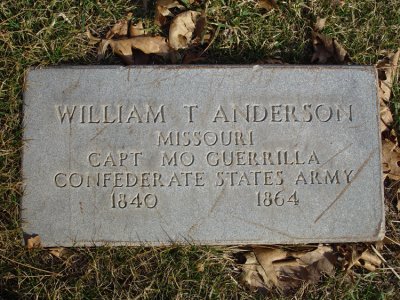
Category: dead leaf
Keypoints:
(92, 39)
(286, 269)
(387, 71)
(182, 28)
(386, 118)
(120, 29)
(200, 35)
(60, 252)
(390, 160)
(129, 41)
(327, 49)
(310, 266)
(251, 272)
(266, 258)
(125, 29)
(358, 255)
(137, 29)
(163, 10)
(147, 44)
(33, 242)
(268, 4)
(369, 261)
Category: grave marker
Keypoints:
(205, 154)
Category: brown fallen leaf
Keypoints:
(137, 29)
(327, 49)
(200, 34)
(267, 4)
(182, 28)
(251, 272)
(120, 29)
(359, 256)
(163, 10)
(129, 41)
(287, 270)
(386, 118)
(60, 252)
(33, 242)
(125, 29)
(369, 261)
(390, 159)
(266, 258)
(311, 266)
(149, 45)
(387, 71)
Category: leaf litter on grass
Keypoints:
(326, 48)
(40, 50)
(264, 267)
(186, 31)
(387, 71)
(284, 269)
(387, 68)
(290, 270)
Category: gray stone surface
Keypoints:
(207, 155)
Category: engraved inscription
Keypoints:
(117, 169)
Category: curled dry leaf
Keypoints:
(327, 49)
(182, 28)
(268, 4)
(251, 272)
(120, 29)
(33, 242)
(137, 29)
(163, 10)
(369, 261)
(147, 44)
(387, 70)
(360, 256)
(285, 269)
(125, 29)
(129, 41)
(390, 159)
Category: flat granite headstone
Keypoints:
(207, 155)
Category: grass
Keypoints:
(39, 33)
